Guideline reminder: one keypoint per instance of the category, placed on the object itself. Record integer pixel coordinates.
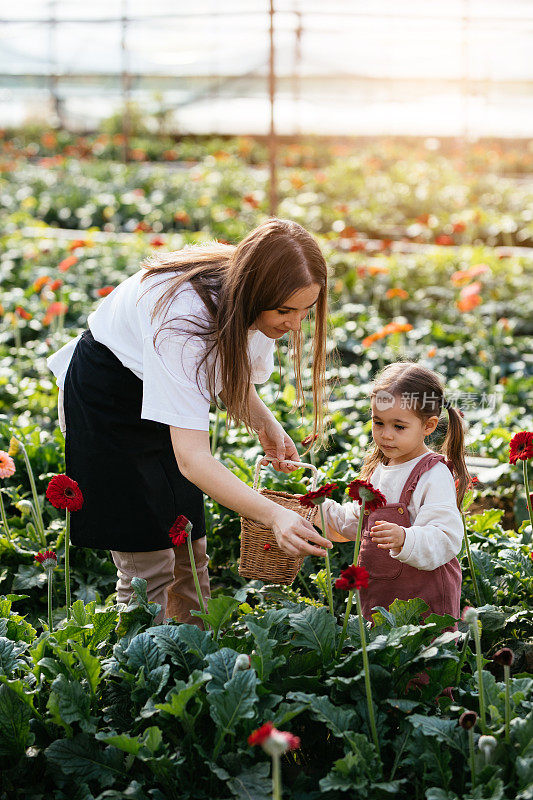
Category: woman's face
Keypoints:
(276, 322)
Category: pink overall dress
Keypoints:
(389, 578)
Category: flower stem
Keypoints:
(507, 679)
(328, 569)
(67, 564)
(528, 497)
(472, 757)
(345, 623)
(276, 778)
(358, 537)
(470, 562)
(195, 575)
(479, 663)
(40, 527)
(4, 517)
(366, 665)
(50, 579)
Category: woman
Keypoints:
(137, 387)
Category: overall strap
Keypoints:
(423, 465)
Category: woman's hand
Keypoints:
(278, 446)
(296, 535)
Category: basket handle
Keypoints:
(300, 464)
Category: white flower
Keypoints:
(487, 744)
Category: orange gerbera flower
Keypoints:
(22, 313)
(67, 263)
(378, 270)
(76, 244)
(444, 239)
(469, 303)
(471, 290)
(40, 282)
(104, 291)
(478, 269)
(368, 340)
(460, 277)
(396, 291)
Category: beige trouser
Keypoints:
(169, 579)
(168, 573)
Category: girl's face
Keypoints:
(276, 322)
(397, 430)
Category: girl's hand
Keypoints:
(292, 533)
(278, 446)
(388, 535)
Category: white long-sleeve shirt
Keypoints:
(436, 532)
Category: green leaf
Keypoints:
(444, 730)
(219, 611)
(236, 702)
(220, 666)
(484, 568)
(69, 702)
(356, 771)
(401, 612)
(150, 739)
(253, 783)
(104, 623)
(15, 717)
(316, 629)
(144, 652)
(340, 721)
(29, 577)
(8, 656)
(168, 639)
(262, 659)
(179, 696)
(82, 756)
(90, 665)
(198, 642)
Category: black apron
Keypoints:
(125, 466)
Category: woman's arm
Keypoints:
(196, 463)
(277, 444)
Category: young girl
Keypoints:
(192, 325)
(409, 546)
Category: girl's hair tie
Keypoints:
(446, 403)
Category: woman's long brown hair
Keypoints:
(425, 392)
(236, 284)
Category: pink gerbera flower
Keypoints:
(7, 465)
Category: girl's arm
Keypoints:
(436, 534)
(294, 535)
(341, 520)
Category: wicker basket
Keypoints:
(261, 558)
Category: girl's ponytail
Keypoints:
(453, 448)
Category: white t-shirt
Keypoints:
(436, 533)
(171, 393)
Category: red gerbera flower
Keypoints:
(180, 531)
(47, 560)
(63, 492)
(352, 578)
(261, 734)
(272, 741)
(521, 446)
(317, 498)
(104, 291)
(364, 491)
